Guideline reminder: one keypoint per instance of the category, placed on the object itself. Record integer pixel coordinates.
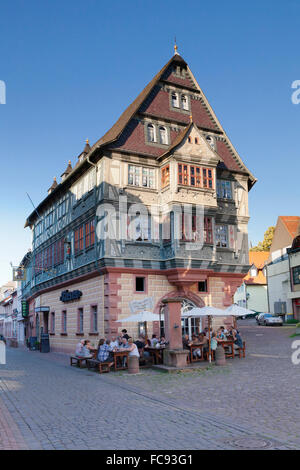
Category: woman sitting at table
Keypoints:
(105, 352)
(132, 348)
(86, 350)
(213, 342)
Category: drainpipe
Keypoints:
(268, 294)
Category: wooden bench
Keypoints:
(102, 366)
(78, 361)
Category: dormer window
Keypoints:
(175, 101)
(184, 102)
(253, 271)
(211, 141)
(151, 133)
(163, 136)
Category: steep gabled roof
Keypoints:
(116, 130)
(257, 259)
(292, 224)
(203, 115)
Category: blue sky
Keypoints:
(71, 67)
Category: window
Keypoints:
(52, 323)
(208, 232)
(94, 319)
(133, 175)
(189, 139)
(151, 133)
(184, 102)
(190, 229)
(183, 174)
(211, 141)
(64, 321)
(140, 284)
(202, 286)
(222, 236)
(207, 178)
(224, 189)
(195, 172)
(253, 272)
(296, 275)
(78, 240)
(196, 141)
(165, 176)
(80, 320)
(89, 234)
(62, 209)
(148, 178)
(58, 252)
(163, 136)
(174, 99)
(138, 176)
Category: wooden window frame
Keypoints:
(165, 176)
(207, 178)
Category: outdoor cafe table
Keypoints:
(121, 355)
(230, 343)
(197, 346)
(157, 353)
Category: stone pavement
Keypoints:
(251, 403)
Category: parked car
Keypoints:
(2, 339)
(267, 319)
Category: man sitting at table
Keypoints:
(195, 341)
(105, 353)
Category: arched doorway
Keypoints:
(190, 325)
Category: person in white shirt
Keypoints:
(114, 343)
(154, 340)
(132, 348)
(79, 346)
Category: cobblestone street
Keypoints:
(250, 403)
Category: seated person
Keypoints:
(132, 348)
(79, 347)
(195, 341)
(105, 353)
(124, 347)
(154, 340)
(186, 344)
(86, 350)
(238, 342)
(114, 342)
(224, 330)
(140, 343)
(203, 340)
(220, 335)
(163, 342)
(213, 342)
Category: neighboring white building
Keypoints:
(253, 293)
(278, 269)
(278, 275)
